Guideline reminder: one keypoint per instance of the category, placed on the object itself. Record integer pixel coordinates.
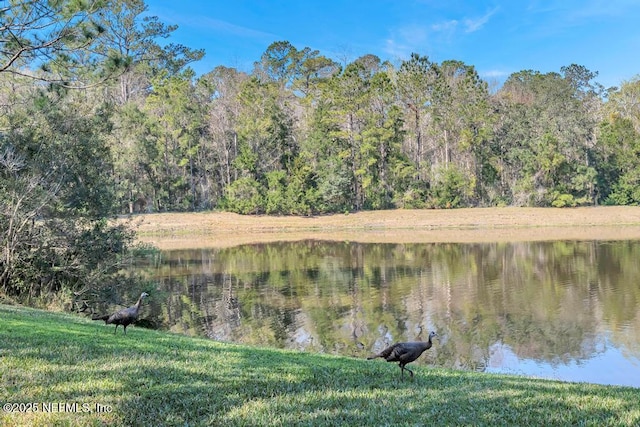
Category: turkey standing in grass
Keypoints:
(405, 352)
(125, 316)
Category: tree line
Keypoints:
(303, 134)
(101, 116)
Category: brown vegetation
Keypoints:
(214, 229)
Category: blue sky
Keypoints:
(498, 37)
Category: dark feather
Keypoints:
(124, 317)
(405, 352)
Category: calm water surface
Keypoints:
(562, 310)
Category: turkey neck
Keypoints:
(138, 302)
(426, 344)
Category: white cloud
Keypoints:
(494, 73)
(446, 26)
(192, 19)
(406, 40)
(229, 28)
(570, 13)
(395, 49)
(474, 24)
(468, 25)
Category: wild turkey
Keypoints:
(405, 352)
(124, 317)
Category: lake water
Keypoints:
(567, 310)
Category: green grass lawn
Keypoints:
(51, 361)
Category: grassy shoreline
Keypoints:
(158, 378)
(223, 229)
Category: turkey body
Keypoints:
(125, 316)
(405, 352)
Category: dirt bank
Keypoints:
(213, 229)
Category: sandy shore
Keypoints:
(214, 229)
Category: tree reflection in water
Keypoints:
(496, 306)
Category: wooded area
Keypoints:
(100, 116)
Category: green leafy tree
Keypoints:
(244, 196)
(221, 88)
(56, 167)
(618, 160)
(132, 35)
(55, 202)
(347, 102)
(548, 124)
(327, 149)
(461, 126)
(625, 102)
(54, 41)
(416, 84)
(266, 137)
(176, 123)
(381, 143)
